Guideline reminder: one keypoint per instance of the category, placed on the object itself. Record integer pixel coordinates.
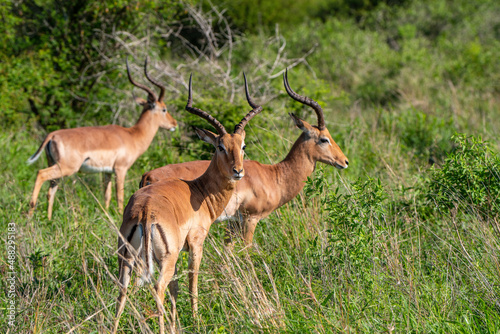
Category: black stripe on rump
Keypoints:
(129, 238)
(163, 237)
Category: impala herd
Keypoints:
(176, 204)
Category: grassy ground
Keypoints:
(367, 262)
(404, 240)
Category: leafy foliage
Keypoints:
(57, 49)
(352, 221)
(424, 135)
(254, 17)
(469, 179)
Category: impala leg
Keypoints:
(195, 255)
(107, 189)
(120, 186)
(168, 268)
(53, 186)
(173, 287)
(51, 173)
(233, 230)
(249, 225)
(50, 196)
(125, 266)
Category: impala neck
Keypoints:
(144, 131)
(215, 188)
(294, 170)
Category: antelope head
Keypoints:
(154, 105)
(229, 147)
(317, 139)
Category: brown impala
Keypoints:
(174, 215)
(267, 187)
(108, 149)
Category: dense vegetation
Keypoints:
(405, 240)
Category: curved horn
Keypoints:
(305, 100)
(151, 95)
(156, 83)
(250, 102)
(256, 109)
(203, 114)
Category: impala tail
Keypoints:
(144, 182)
(146, 249)
(37, 154)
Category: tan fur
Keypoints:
(176, 215)
(265, 187)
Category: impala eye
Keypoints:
(243, 147)
(164, 110)
(324, 140)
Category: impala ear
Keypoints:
(140, 101)
(150, 103)
(206, 136)
(301, 124)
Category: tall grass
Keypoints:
(344, 256)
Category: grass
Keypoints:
(394, 269)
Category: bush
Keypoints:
(351, 221)
(61, 51)
(253, 16)
(423, 135)
(469, 179)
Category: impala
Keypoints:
(167, 217)
(267, 187)
(108, 149)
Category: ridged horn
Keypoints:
(151, 95)
(203, 114)
(305, 100)
(156, 83)
(256, 109)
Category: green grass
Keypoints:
(370, 262)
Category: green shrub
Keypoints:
(55, 54)
(253, 16)
(423, 135)
(469, 179)
(351, 221)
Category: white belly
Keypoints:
(224, 217)
(89, 168)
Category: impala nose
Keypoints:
(338, 164)
(173, 126)
(238, 173)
